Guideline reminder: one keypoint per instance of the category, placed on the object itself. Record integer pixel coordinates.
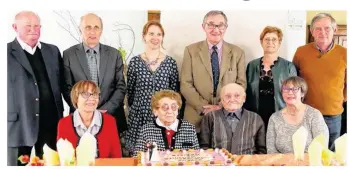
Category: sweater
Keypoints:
(325, 75)
(108, 143)
(248, 137)
(279, 134)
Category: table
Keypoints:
(116, 162)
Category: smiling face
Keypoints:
(214, 27)
(153, 37)
(88, 101)
(167, 110)
(91, 29)
(271, 43)
(292, 94)
(27, 26)
(323, 31)
(232, 97)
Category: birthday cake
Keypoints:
(209, 157)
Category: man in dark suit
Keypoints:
(91, 60)
(34, 84)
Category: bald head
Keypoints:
(91, 27)
(27, 26)
(232, 87)
(23, 15)
(232, 97)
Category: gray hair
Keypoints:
(323, 15)
(215, 12)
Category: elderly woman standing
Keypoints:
(85, 97)
(284, 123)
(265, 75)
(167, 131)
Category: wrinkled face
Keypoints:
(28, 28)
(292, 94)
(214, 28)
(323, 31)
(232, 100)
(271, 43)
(153, 38)
(88, 101)
(167, 110)
(91, 30)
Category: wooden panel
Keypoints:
(154, 15)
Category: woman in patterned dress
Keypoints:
(147, 73)
(166, 130)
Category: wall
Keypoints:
(52, 32)
(184, 27)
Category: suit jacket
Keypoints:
(23, 92)
(111, 79)
(196, 77)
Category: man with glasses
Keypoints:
(232, 127)
(323, 65)
(102, 64)
(207, 66)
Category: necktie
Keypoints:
(215, 69)
(235, 121)
(92, 64)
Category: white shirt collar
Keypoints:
(27, 48)
(96, 119)
(173, 126)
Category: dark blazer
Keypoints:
(23, 92)
(112, 83)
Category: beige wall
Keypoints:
(340, 16)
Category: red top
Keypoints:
(107, 137)
(169, 135)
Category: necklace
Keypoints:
(151, 63)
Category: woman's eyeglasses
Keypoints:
(87, 95)
(288, 89)
(166, 107)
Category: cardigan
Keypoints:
(281, 71)
(184, 138)
(325, 75)
(248, 138)
(108, 143)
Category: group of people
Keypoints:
(251, 110)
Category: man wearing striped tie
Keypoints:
(207, 66)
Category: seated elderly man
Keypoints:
(232, 127)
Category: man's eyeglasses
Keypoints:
(230, 96)
(271, 40)
(87, 95)
(288, 89)
(213, 26)
(166, 107)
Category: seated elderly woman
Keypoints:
(284, 123)
(232, 127)
(166, 130)
(85, 97)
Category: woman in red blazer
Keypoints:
(86, 118)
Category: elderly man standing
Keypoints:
(102, 64)
(233, 127)
(207, 66)
(323, 66)
(34, 85)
